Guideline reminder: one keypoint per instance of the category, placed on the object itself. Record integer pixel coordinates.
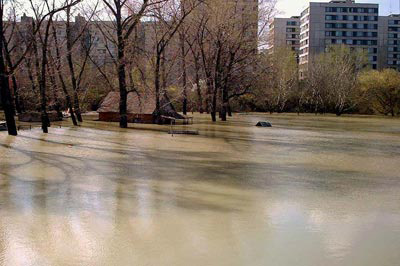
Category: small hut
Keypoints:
(140, 109)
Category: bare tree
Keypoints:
(126, 16)
(81, 30)
(42, 36)
(168, 18)
(339, 63)
(57, 64)
(228, 36)
(283, 75)
(43, 11)
(6, 98)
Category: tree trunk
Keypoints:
(157, 85)
(229, 109)
(208, 102)
(199, 96)
(184, 74)
(53, 82)
(123, 123)
(225, 97)
(42, 81)
(17, 100)
(214, 106)
(62, 81)
(13, 79)
(198, 87)
(224, 109)
(6, 99)
(71, 68)
(30, 75)
(217, 85)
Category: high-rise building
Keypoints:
(338, 22)
(389, 42)
(284, 32)
(243, 14)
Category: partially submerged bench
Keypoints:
(185, 121)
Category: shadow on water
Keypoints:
(154, 165)
(235, 193)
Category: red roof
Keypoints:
(144, 104)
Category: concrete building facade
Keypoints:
(389, 41)
(284, 32)
(338, 22)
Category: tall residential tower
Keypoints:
(338, 22)
(284, 32)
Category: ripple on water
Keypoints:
(39, 171)
(11, 157)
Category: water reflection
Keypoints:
(301, 193)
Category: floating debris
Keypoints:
(264, 124)
(183, 132)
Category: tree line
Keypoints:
(199, 55)
(338, 81)
(49, 62)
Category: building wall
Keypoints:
(244, 12)
(338, 22)
(389, 42)
(284, 32)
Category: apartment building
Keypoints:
(338, 22)
(284, 32)
(243, 13)
(102, 49)
(389, 42)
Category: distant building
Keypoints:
(338, 22)
(284, 32)
(245, 13)
(389, 41)
(100, 36)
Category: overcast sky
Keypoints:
(294, 7)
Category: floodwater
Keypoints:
(309, 191)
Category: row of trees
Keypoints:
(338, 81)
(206, 47)
(199, 55)
(13, 55)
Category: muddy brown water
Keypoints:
(309, 191)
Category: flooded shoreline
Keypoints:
(309, 191)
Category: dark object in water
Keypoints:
(183, 132)
(3, 126)
(264, 124)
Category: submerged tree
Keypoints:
(41, 40)
(6, 99)
(228, 37)
(168, 18)
(125, 16)
(44, 11)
